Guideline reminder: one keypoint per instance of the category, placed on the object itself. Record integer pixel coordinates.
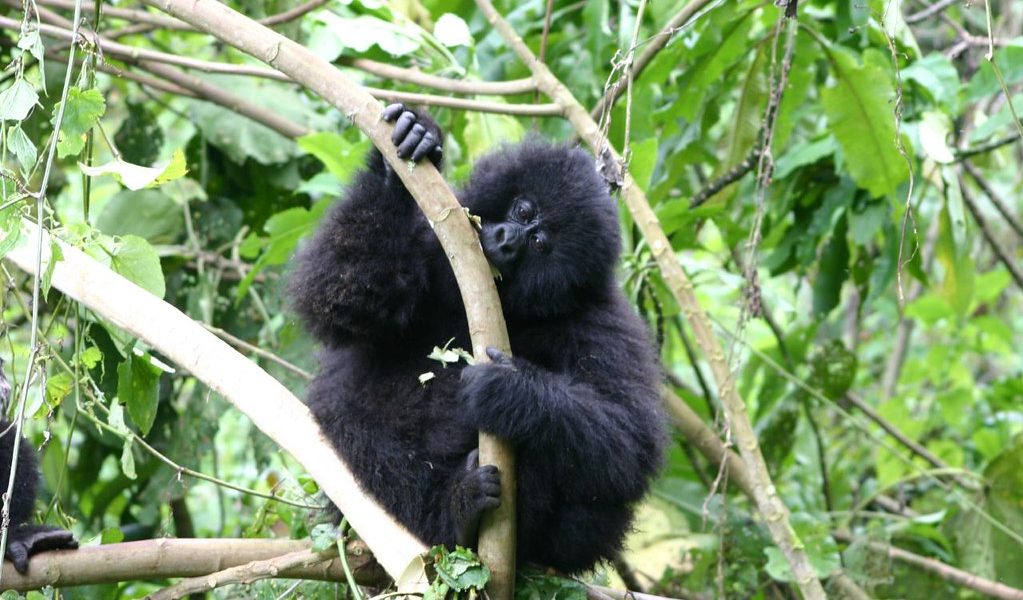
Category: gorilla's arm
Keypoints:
(366, 271)
(598, 416)
(25, 540)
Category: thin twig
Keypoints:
(240, 343)
(930, 11)
(1010, 262)
(994, 197)
(894, 431)
(986, 147)
(727, 178)
(946, 572)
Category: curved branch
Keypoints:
(272, 408)
(168, 557)
(444, 84)
(770, 506)
(450, 224)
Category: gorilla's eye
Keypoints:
(539, 243)
(524, 211)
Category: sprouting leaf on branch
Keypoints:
(84, 108)
(135, 177)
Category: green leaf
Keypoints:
(138, 388)
(935, 129)
(363, 32)
(957, 264)
(832, 272)
(111, 535)
(136, 177)
(148, 214)
(84, 108)
(128, 459)
(90, 357)
(451, 30)
(324, 536)
(56, 255)
(643, 161)
(859, 110)
(58, 387)
(804, 153)
(10, 227)
(284, 230)
(937, 77)
(1005, 502)
(21, 145)
(484, 131)
(133, 258)
(342, 158)
(116, 419)
(1009, 59)
(17, 100)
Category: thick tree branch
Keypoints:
(263, 399)
(770, 506)
(169, 558)
(450, 223)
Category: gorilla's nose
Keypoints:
(502, 242)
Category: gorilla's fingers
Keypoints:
(18, 553)
(498, 357)
(437, 154)
(411, 140)
(402, 127)
(428, 143)
(393, 111)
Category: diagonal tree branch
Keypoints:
(770, 506)
(272, 408)
(450, 223)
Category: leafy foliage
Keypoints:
(875, 275)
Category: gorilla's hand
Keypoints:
(416, 136)
(477, 489)
(27, 540)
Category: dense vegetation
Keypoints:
(864, 275)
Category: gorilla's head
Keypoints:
(549, 226)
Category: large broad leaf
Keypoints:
(1010, 62)
(859, 110)
(138, 388)
(131, 257)
(832, 272)
(937, 77)
(17, 100)
(1005, 502)
(341, 157)
(84, 108)
(953, 252)
(149, 214)
(485, 131)
(284, 230)
(242, 138)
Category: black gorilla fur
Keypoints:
(579, 399)
(25, 540)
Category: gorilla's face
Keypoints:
(549, 226)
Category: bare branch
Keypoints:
(930, 11)
(946, 572)
(257, 570)
(1010, 219)
(444, 84)
(727, 178)
(1010, 262)
(895, 432)
(169, 557)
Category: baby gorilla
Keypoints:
(579, 398)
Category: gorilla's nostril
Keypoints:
(499, 235)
